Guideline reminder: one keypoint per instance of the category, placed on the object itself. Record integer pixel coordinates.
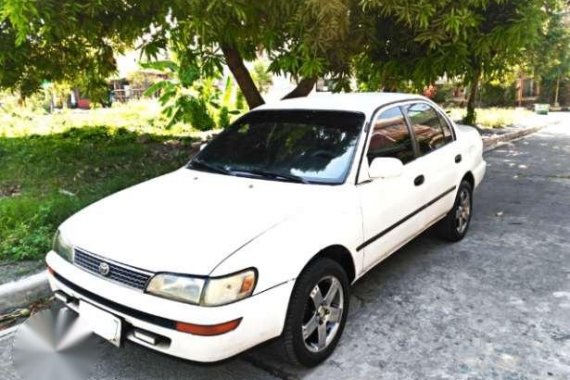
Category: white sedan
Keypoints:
(263, 232)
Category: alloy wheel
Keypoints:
(463, 211)
(323, 314)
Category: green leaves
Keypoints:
(19, 13)
(157, 87)
(161, 66)
(68, 40)
(381, 42)
(421, 40)
(184, 97)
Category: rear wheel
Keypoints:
(455, 225)
(317, 313)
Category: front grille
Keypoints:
(126, 276)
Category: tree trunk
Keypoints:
(557, 93)
(304, 88)
(471, 116)
(242, 76)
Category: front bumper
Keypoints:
(262, 315)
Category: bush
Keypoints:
(240, 101)
(493, 117)
(497, 95)
(444, 94)
(548, 92)
(224, 118)
(199, 116)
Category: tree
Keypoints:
(507, 32)
(421, 41)
(551, 59)
(382, 42)
(303, 39)
(69, 38)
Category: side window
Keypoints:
(390, 137)
(446, 129)
(428, 127)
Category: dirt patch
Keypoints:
(10, 190)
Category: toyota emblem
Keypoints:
(104, 269)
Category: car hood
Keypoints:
(186, 221)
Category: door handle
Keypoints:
(458, 158)
(419, 180)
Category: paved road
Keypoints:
(495, 306)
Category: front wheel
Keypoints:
(455, 225)
(317, 313)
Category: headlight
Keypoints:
(207, 292)
(179, 288)
(62, 247)
(220, 291)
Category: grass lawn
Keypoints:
(47, 177)
(141, 116)
(494, 117)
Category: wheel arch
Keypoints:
(469, 178)
(341, 255)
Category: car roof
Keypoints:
(365, 102)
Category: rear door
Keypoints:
(438, 160)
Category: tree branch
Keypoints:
(304, 88)
(242, 76)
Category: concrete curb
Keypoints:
(23, 292)
(496, 141)
(6, 333)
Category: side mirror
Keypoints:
(385, 167)
(203, 146)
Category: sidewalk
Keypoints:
(533, 121)
(493, 138)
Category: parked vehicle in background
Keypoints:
(263, 232)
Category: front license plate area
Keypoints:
(102, 323)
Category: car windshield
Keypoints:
(298, 146)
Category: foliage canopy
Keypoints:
(380, 42)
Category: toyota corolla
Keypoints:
(261, 235)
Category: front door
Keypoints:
(389, 204)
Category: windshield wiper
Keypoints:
(196, 163)
(273, 175)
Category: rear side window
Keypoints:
(391, 137)
(428, 127)
(446, 129)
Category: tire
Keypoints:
(451, 228)
(307, 350)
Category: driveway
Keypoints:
(495, 306)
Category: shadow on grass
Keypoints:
(46, 178)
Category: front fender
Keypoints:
(281, 253)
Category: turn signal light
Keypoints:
(208, 330)
(247, 285)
